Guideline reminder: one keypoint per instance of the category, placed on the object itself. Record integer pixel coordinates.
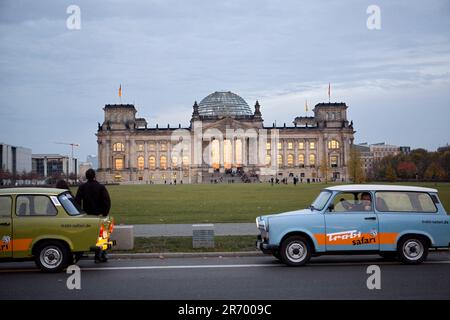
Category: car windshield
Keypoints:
(321, 200)
(69, 204)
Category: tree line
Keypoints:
(419, 164)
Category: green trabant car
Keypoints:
(45, 225)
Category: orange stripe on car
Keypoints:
(21, 244)
(380, 238)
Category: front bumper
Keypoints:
(264, 246)
(103, 245)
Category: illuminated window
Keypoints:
(140, 147)
(334, 161)
(163, 146)
(118, 164)
(301, 160)
(279, 145)
(140, 162)
(174, 161)
(279, 160)
(268, 145)
(290, 160)
(152, 163)
(312, 160)
(312, 145)
(118, 147)
(290, 145)
(163, 162)
(301, 145)
(268, 160)
(333, 144)
(151, 146)
(185, 160)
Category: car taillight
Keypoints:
(103, 234)
(111, 226)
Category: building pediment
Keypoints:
(230, 123)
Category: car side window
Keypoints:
(352, 202)
(396, 201)
(35, 205)
(5, 206)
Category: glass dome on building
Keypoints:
(224, 104)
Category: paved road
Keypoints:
(220, 229)
(263, 277)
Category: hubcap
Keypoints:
(296, 251)
(51, 257)
(413, 249)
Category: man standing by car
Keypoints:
(94, 199)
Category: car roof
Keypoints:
(379, 187)
(52, 191)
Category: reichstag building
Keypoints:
(226, 142)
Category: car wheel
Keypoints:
(412, 250)
(77, 256)
(52, 256)
(295, 251)
(277, 254)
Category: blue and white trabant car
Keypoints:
(394, 221)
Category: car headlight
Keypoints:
(262, 224)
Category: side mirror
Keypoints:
(331, 207)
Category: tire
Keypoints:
(412, 250)
(52, 256)
(389, 255)
(77, 256)
(295, 251)
(277, 255)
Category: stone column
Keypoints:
(296, 164)
(157, 146)
(221, 152)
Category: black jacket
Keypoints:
(93, 198)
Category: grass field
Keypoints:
(137, 204)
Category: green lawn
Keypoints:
(136, 204)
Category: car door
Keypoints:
(351, 223)
(5, 227)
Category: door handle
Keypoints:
(370, 218)
(5, 224)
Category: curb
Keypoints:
(163, 255)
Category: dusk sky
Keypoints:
(166, 54)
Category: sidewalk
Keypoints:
(180, 230)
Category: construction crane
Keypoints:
(72, 146)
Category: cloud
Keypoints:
(166, 54)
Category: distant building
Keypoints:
(405, 150)
(48, 165)
(443, 149)
(372, 153)
(381, 150)
(366, 156)
(15, 159)
(84, 166)
(225, 139)
(93, 160)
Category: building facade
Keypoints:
(53, 165)
(225, 140)
(15, 159)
